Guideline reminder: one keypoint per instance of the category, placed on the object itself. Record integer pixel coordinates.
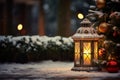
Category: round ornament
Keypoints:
(112, 66)
(100, 4)
(103, 27)
(102, 51)
(115, 33)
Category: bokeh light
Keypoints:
(80, 16)
(19, 27)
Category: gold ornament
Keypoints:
(101, 51)
(103, 27)
(100, 4)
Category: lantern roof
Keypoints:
(86, 21)
(86, 31)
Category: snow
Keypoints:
(37, 40)
(67, 41)
(50, 70)
(2, 38)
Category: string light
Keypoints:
(19, 27)
(80, 16)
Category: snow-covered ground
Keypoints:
(49, 70)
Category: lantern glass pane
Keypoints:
(77, 52)
(95, 50)
(77, 47)
(87, 53)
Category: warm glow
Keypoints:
(87, 58)
(87, 53)
(77, 52)
(96, 50)
(77, 58)
(77, 47)
(87, 47)
(20, 27)
(80, 16)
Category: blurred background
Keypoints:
(42, 17)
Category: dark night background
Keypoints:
(41, 17)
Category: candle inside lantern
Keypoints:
(87, 53)
(87, 58)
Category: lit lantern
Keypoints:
(86, 47)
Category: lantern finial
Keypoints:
(86, 23)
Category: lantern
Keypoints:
(86, 47)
